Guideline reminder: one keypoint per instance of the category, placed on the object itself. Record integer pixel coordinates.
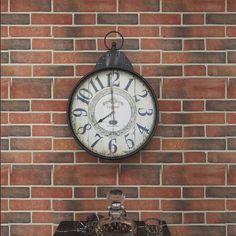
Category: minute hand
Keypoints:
(102, 119)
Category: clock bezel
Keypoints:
(112, 158)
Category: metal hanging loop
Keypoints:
(112, 32)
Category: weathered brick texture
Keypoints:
(186, 175)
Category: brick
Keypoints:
(4, 31)
(221, 131)
(4, 118)
(193, 19)
(193, 105)
(193, 157)
(194, 70)
(15, 192)
(192, 118)
(83, 44)
(29, 230)
(54, 131)
(31, 88)
(193, 57)
(15, 157)
(51, 19)
(85, 192)
(232, 144)
(31, 57)
(13, 130)
(15, 19)
(144, 57)
(73, 175)
(193, 192)
(25, 118)
(15, 44)
(220, 192)
(43, 105)
(193, 31)
(163, 44)
(193, 205)
(220, 217)
(160, 19)
(51, 192)
(29, 31)
(54, 44)
(160, 192)
(231, 230)
(4, 205)
(153, 144)
(75, 31)
(53, 70)
(29, 205)
(53, 157)
(30, 5)
(4, 87)
(193, 6)
(4, 5)
(222, 157)
(4, 230)
(81, 70)
(231, 57)
(221, 19)
(197, 131)
(120, 19)
(231, 118)
(171, 218)
(231, 204)
(220, 44)
(140, 5)
(193, 144)
(193, 88)
(85, 19)
(186, 175)
(194, 44)
(51, 217)
(65, 144)
(5, 57)
(141, 204)
(14, 105)
(231, 88)
(161, 157)
(228, 105)
(162, 70)
(14, 70)
(231, 5)
(31, 143)
(137, 174)
(194, 218)
(85, 157)
(219, 70)
(169, 131)
(129, 192)
(31, 175)
(59, 118)
(169, 105)
(139, 31)
(84, 6)
(15, 217)
(4, 144)
(4, 174)
(230, 31)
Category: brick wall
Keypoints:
(186, 175)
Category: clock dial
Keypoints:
(112, 113)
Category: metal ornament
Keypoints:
(113, 110)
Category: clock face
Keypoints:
(112, 113)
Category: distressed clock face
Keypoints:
(112, 113)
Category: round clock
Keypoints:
(112, 112)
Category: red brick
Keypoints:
(171, 218)
(231, 229)
(129, 192)
(29, 205)
(4, 205)
(195, 131)
(141, 204)
(25, 118)
(54, 131)
(65, 144)
(4, 57)
(82, 70)
(15, 157)
(74, 175)
(85, 192)
(220, 217)
(161, 157)
(139, 31)
(30, 5)
(14, 105)
(4, 118)
(15, 19)
(193, 88)
(4, 174)
(4, 87)
(51, 217)
(194, 44)
(160, 19)
(85, 157)
(140, 5)
(193, 31)
(20, 44)
(193, 105)
(59, 118)
(153, 144)
(54, 44)
(117, 19)
(15, 217)
(186, 175)
(31, 57)
(222, 157)
(194, 157)
(222, 70)
(29, 31)
(231, 118)
(51, 19)
(220, 131)
(220, 105)
(85, 44)
(53, 70)
(4, 5)
(137, 174)
(31, 88)
(193, 218)
(29, 230)
(193, 70)
(193, 19)
(169, 131)
(15, 130)
(164, 44)
(231, 204)
(221, 19)
(231, 175)
(162, 70)
(193, 205)
(169, 105)
(14, 70)
(220, 44)
(193, 5)
(231, 5)
(51, 192)
(160, 192)
(43, 105)
(193, 192)
(85, 19)
(144, 57)
(31, 144)
(53, 157)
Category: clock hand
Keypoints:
(102, 119)
(113, 121)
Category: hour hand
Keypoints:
(102, 119)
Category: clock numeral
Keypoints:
(84, 95)
(111, 81)
(142, 129)
(145, 112)
(143, 94)
(129, 142)
(99, 83)
(97, 140)
(79, 112)
(128, 84)
(112, 145)
(83, 129)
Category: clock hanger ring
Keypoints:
(112, 32)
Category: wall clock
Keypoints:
(112, 110)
